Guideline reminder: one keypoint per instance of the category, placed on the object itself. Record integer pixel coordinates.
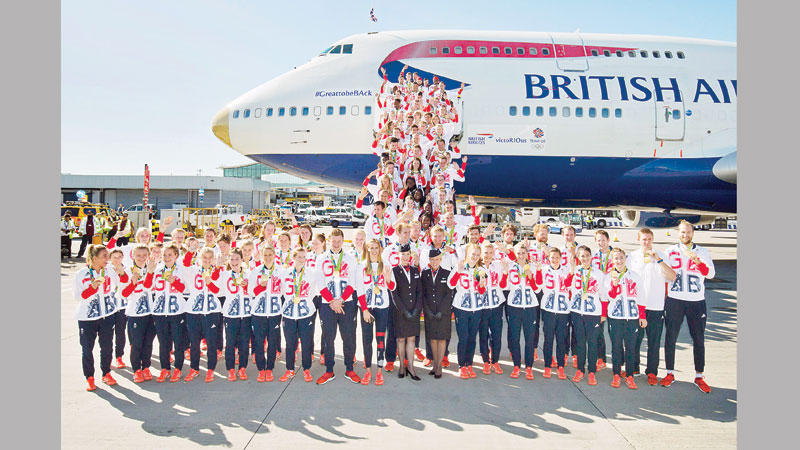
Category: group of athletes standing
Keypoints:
(416, 258)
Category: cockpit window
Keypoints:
(336, 50)
(322, 53)
(347, 48)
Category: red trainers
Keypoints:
(120, 363)
(176, 376)
(445, 362)
(278, 354)
(535, 354)
(163, 375)
(529, 373)
(307, 376)
(352, 376)
(463, 372)
(91, 386)
(561, 374)
(701, 384)
(578, 377)
(138, 377)
(487, 369)
(566, 360)
(253, 358)
(615, 381)
(187, 355)
(192, 375)
(592, 381)
(574, 361)
(427, 362)
(623, 374)
(367, 377)
(262, 376)
(289, 374)
(209, 376)
(203, 345)
(497, 369)
(667, 380)
(379, 378)
(515, 372)
(471, 372)
(268, 376)
(389, 366)
(600, 364)
(547, 372)
(652, 380)
(327, 376)
(109, 380)
(242, 373)
(322, 360)
(418, 354)
(631, 384)
(146, 374)
(554, 364)
(220, 355)
(231, 374)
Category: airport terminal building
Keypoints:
(167, 191)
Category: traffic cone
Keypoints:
(616, 239)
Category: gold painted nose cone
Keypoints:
(220, 126)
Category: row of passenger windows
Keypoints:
(304, 111)
(566, 111)
(533, 51)
(642, 53)
(484, 50)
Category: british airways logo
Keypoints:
(640, 89)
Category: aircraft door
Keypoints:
(670, 124)
(570, 52)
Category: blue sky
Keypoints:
(141, 81)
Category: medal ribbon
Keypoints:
(585, 280)
(298, 282)
(337, 265)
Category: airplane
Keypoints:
(643, 124)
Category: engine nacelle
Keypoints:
(647, 219)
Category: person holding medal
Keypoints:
(555, 280)
(686, 298)
(586, 311)
(470, 280)
(569, 251)
(141, 329)
(202, 312)
(298, 314)
(490, 327)
(266, 304)
(374, 283)
(120, 319)
(336, 274)
(236, 315)
(655, 272)
(601, 261)
(95, 312)
(625, 316)
(538, 254)
(168, 310)
(519, 283)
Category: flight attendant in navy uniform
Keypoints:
(406, 299)
(437, 299)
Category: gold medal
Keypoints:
(102, 279)
(376, 289)
(296, 299)
(647, 259)
(526, 268)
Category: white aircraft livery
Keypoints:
(552, 120)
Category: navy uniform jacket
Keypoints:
(436, 294)
(407, 296)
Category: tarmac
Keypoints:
(487, 412)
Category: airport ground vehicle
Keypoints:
(565, 219)
(141, 207)
(196, 220)
(314, 217)
(354, 219)
(78, 210)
